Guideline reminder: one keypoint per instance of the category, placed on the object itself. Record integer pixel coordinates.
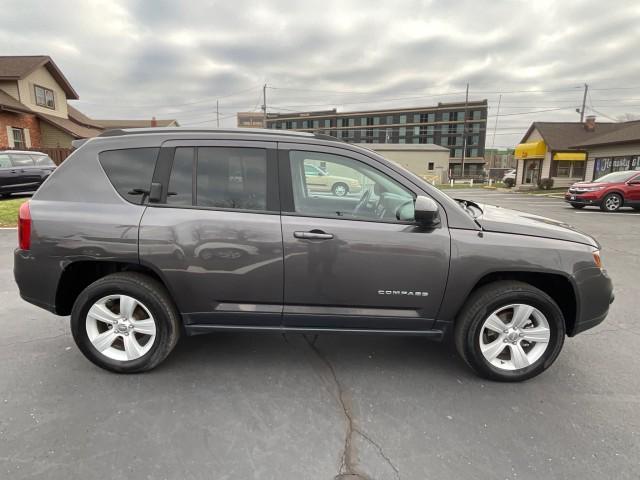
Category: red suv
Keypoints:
(610, 192)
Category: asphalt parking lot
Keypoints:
(249, 406)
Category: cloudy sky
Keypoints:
(173, 59)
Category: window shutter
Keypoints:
(10, 137)
(27, 137)
(32, 93)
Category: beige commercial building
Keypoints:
(250, 119)
(428, 161)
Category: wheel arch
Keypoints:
(80, 274)
(559, 287)
(616, 191)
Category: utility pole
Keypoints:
(584, 101)
(217, 115)
(495, 127)
(264, 106)
(464, 138)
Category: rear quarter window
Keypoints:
(43, 161)
(130, 171)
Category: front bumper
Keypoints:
(583, 198)
(595, 293)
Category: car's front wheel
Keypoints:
(509, 331)
(611, 203)
(125, 322)
(340, 189)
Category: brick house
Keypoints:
(34, 109)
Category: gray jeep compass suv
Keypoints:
(144, 235)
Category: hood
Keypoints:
(589, 184)
(504, 220)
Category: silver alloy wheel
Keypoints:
(612, 203)
(514, 336)
(340, 190)
(121, 327)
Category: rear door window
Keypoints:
(21, 160)
(130, 171)
(5, 161)
(230, 177)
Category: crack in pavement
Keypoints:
(348, 464)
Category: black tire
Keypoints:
(577, 206)
(491, 297)
(609, 203)
(143, 288)
(337, 189)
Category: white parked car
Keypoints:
(509, 174)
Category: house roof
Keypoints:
(135, 123)
(69, 126)
(566, 135)
(7, 102)
(625, 133)
(16, 67)
(79, 117)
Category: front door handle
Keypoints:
(313, 235)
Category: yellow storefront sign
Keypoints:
(531, 150)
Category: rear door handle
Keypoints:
(313, 235)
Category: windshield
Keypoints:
(616, 177)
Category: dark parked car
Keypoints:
(23, 171)
(142, 235)
(610, 192)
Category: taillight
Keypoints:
(24, 226)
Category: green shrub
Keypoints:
(545, 183)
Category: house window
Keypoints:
(44, 97)
(430, 166)
(569, 169)
(403, 119)
(18, 138)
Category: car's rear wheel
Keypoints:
(577, 206)
(611, 202)
(340, 189)
(509, 331)
(125, 322)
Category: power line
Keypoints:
(202, 100)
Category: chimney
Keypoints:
(154, 122)
(590, 123)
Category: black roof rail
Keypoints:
(260, 131)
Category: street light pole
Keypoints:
(264, 106)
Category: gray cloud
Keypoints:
(173, 59)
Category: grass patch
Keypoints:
(9, 211)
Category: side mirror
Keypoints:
(427, 212)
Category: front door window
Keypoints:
(334, 186)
